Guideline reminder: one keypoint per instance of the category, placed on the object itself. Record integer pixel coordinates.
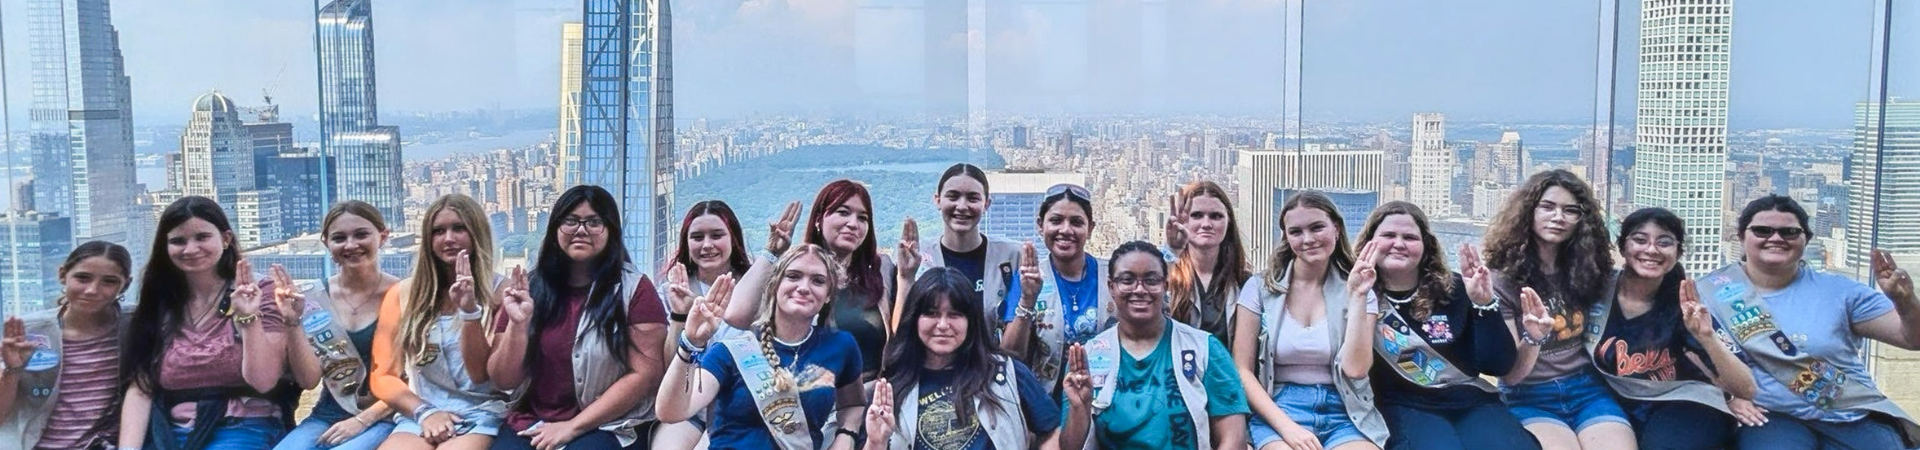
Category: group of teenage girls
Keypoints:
(822, 340)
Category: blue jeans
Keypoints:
(1575, 401)
(249, 433)
(1483, 426)
(1317, 408)
(1787, 432)
(307, 435)
(1678, 425)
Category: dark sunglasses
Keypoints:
(1766, 232)
(1068, 189)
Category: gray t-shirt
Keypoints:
(1817, 312)
(1564, 350)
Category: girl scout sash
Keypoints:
(341, 366)
(1413, 357)
(786, 420)
(1731, 295)
(1642, 389)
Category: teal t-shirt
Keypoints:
(1148, 412)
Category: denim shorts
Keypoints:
(1575, 401)
(488, 426)
(1317, 408)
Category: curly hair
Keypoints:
(1339, 262)
(1584, 259)
(1436, 281)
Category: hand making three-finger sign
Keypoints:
(780, 230)
(1536, 320)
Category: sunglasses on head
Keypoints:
(1069, 189)
(1766, 232)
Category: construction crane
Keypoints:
(268, 111)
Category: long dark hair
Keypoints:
(1436, 281)
(1586, 256)
(1669, 290)
(162, 307)
(737, 261)
(604, 311)
(1339, 262)
(974, 363)
(863, 267)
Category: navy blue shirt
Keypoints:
(1476, 342)
(827, 361)
(940, 428)
(972, 263)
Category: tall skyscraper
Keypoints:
(216, 153)
(567, 141)
(626, 117)
(1430, 181)
(30, 268)
(82, 119)
(1885, 198)
(368, 154)
(1509, 157)
(1016, 204)
(1266, 176)
(1680, 161)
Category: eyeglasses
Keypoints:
(578, 225)
(1131, 281)
(1766, 232)
(1662, 242)
(1569, 211)
(1069, 189)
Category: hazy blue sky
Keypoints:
(1795, 63)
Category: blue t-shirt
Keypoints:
(1817, 312)
(1148, 412)
(940, 428)
(1080, 297)
(827, 361)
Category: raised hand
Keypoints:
(704, 319)
(286, 295)
(1893, 280)
(1695, 315)
(907, 257)
(1535, 319)
(1078, 383)
(1029, 276)
(780, 230)
(1176, 229)
(679, 290)
(1474, 273)
(246, 293)
(14, 348)
(1365, 271)
(880, 415)
(515, 298)
(462, 289)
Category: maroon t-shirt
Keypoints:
(550, 397)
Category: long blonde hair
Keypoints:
(427, 291)
(770, 299)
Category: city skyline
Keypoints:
(507, 49)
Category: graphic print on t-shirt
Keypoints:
(941, 427)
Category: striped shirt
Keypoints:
(88, 384)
